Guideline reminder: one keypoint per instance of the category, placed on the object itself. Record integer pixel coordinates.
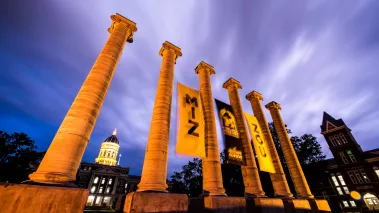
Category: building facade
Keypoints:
(105, 181)
(351, 170)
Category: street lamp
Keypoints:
(357, 196)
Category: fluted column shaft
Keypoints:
(154, 170)
(62, 159)
(278, 179)
(212, 176)
(250, 173)
(294, 167)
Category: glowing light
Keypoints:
(355, 195)
(114, 131)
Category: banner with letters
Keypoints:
(260, 145)
(232, 141)
(190, 123)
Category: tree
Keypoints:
(189, 180)
(18, 157)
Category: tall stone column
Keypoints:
(62, 159)
(212, 176)
(297, 174)
(154, 169)
(250, 174)
(278, 179)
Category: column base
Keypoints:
(152, 188)
(217, 204)
(271, 205)
(155, 202)
(41, 199)
(51, 178)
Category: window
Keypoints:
(93, 189)
(337, 139)
(339, 190)
(334, 179)
(90, 200)
(352, 158)
(364, 175)
(110, 181)
(343, 157)
(126, 185)
(346, 190)
(106, 201)
(101, 189)
(352, 203)
(345, 203)
(108, 190)
(97, 202)
(96, 180)
(352, 177)
(343, 139)
(103, 181)
(331, 138)
(358, 176)
(340, 178)
(377, 172)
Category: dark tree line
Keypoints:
(189, 180)
(18, 157)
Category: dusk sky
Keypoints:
(309, 56)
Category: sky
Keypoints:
(309, 56)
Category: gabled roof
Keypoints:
(328, 122)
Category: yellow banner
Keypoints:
(190, 124)
(260, 145)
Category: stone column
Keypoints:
(62, 159)
(278, 179)
(297, 175)
(250, 174)
(154, 169)
(212, 176)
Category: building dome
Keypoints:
(112, 138)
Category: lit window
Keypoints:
(352, 203)
(96, 180)
(126, 185)
(339, 190)
(377, 172)
(369, 201)
(343, 138)
(106, 201)
(352, 177)
(90, 200)
(331, 138)
(364, 175)
(358, 176)
(337, 139)
(93, 189)
(345, 203)
(103, 181)
(108, 190)
(110, 181)
(101, 189)
(343, 157)
(97, 202)
(335, 181)
(340, 178)
(346, 190)
(351, 156)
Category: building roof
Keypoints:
(328, 118)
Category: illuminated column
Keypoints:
(212, 177)
(297, 175)
(62, 159)
(154, 170)
(278, 179)
(250, 172)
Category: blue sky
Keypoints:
(309, 56)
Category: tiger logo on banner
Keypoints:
(190, 125)
(260, 145)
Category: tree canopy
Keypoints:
(18, 157)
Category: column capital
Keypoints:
(132, 26)
(232, 83)
(273, 105)
(254, 95)
(168, 46)
(205, 66)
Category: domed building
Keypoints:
(105, 179)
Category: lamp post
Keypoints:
(358, 197)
